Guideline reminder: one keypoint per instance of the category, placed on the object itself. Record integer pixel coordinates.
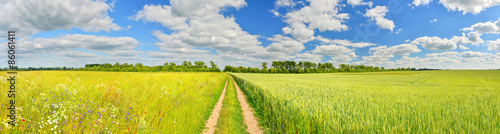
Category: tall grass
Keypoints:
(402, 102)
(111, 102)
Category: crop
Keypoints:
(111, 102)
(384, 102)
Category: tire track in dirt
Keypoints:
(212, 120)
(248, 117)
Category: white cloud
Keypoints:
(446, 60)
(494, 45)
(440, 44)
(435, 43)
(434, 20)
(472, 6)
(344, 42)
(76, 50)
(447, 54)
(285, 45)
(421, 2)
(463, 47)
(34, 16)
(309, 57)
(377, 14)
(322, 15)
(466, 6)
(472, 37)
(470, 54)
(338, 54)
(382, 54)
(275, 13)
(331, 50)
(200, 8)
(345, 58)
(195, 35)
(284, 3)
(487, 27)
(202, 28)
(359, 2)
(69, 42)
(404, 49)
(379, 55)
(161, 14)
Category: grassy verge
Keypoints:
(231, 117)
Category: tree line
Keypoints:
(308, 67)
(186, 66)
(200, 66)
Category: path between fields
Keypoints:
(249, 119)
(212, 120)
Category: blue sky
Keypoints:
(418, 33)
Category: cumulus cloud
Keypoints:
(199, 8)
(466, 6)
(198, 33)
(33, 16)
(344, 42)
(76, 50)
(377, 14)
(435, 43)
(354, 3)
(470, 54)
(446, 54)
(67, 42)
(284, 3)
(275, 13)
(309, 57)
(285, 45)
(469, 6)
(472, 37)
(161, 14)
(331, 50)
(434, 20)
(443, 60)
(204, 27)
(404, 49)
(440, 44)
(322, 15)
(421, 2)
(486, 27)
(463, 47)
(338, 54)
(379, 55)
(494, 45)
(382, 54)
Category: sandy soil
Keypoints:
(212, 120)
(249, 119)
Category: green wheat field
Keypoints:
(450, 101)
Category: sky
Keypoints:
(446, 34)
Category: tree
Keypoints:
(264, 65)
(199, 64)
(343, 66)
(213, 64)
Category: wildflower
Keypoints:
(161, 118)
(23, 120)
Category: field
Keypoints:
(111, 102)
(458, 101)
